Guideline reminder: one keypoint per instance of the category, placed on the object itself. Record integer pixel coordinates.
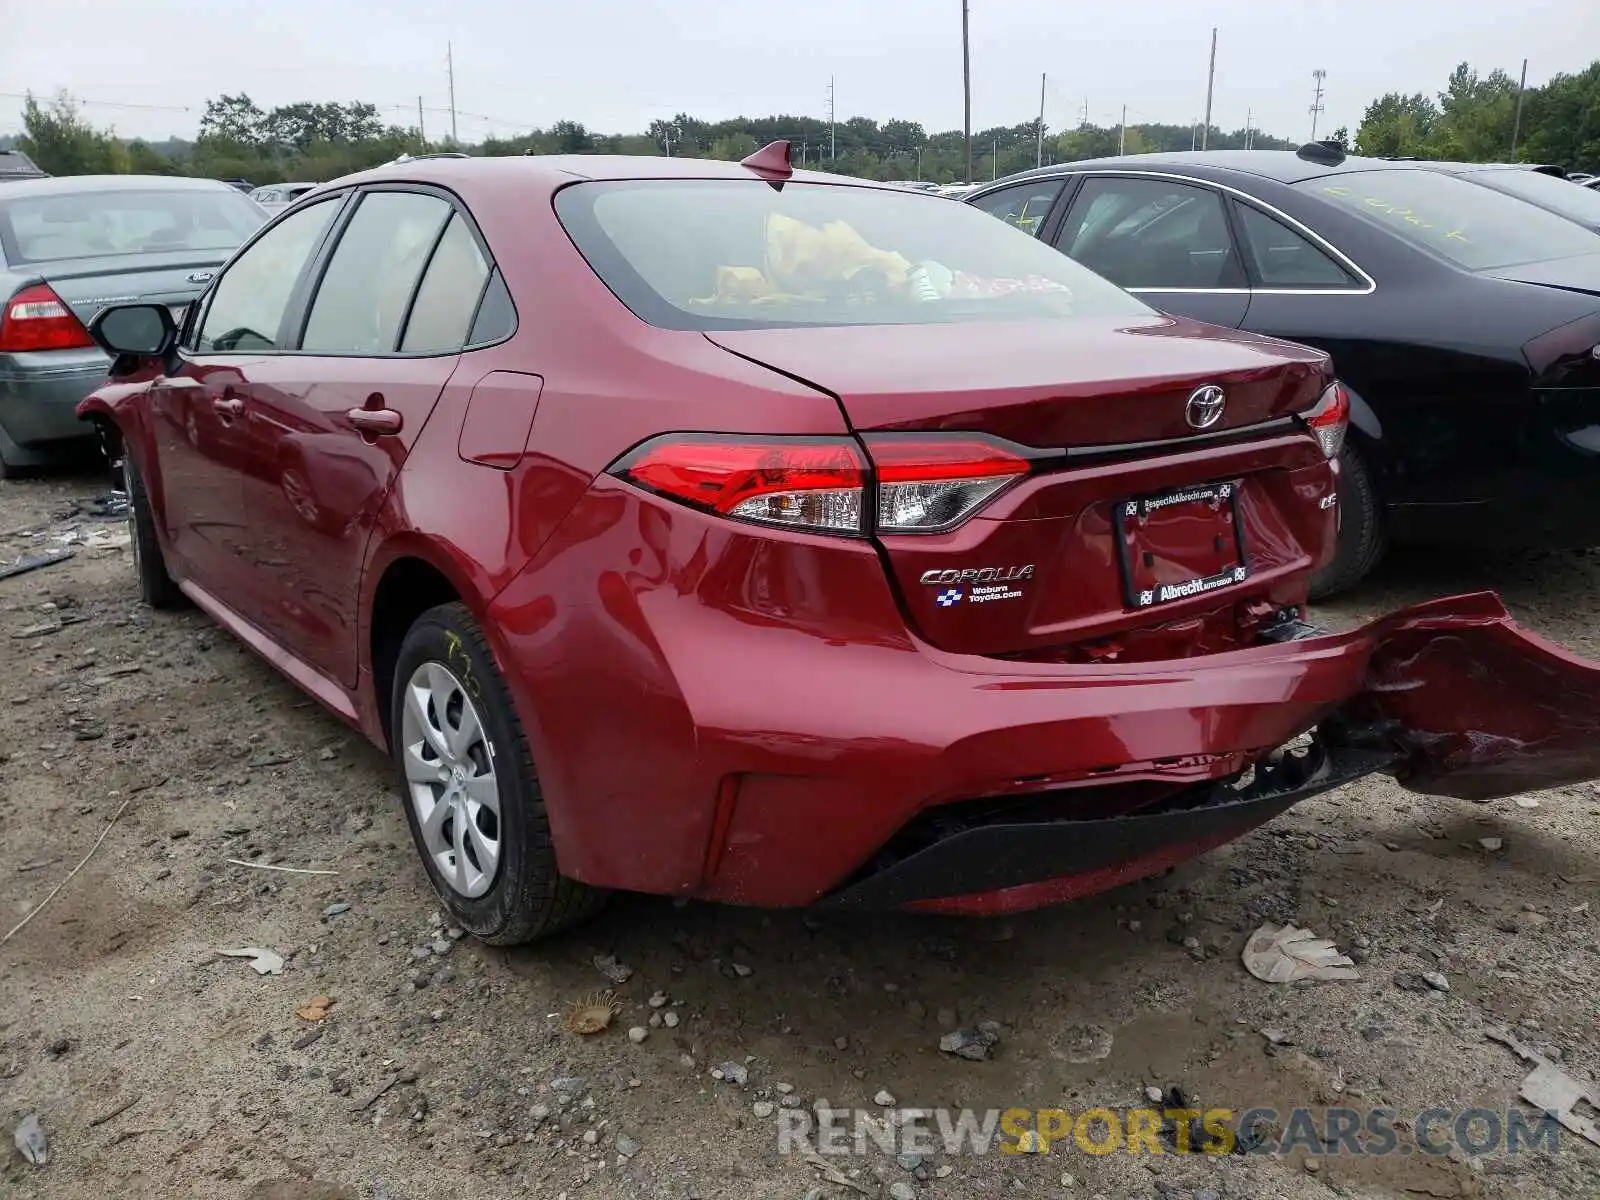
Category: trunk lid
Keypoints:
(88, 285)
(1134, 535)
(1580, 273)
(1048, 384)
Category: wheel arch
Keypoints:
(408, 574)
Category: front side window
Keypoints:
(1151, 233)
(124, 221)
(735, 253)
(368, 284)
(248, 303)
(1284, 258)
(1025, 205)
(1474, 227)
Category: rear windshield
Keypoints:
(67, 225)
(733, 253)
(1473, 226)
(1558, 195)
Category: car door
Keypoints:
(383, 329)
(1166, 240)
(201, 444)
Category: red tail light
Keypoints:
(926, 485)
(1330, 418)
(801, 483)
(38, 319)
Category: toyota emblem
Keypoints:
(1205, 407)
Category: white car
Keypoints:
(275, 197)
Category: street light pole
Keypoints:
(966, 87)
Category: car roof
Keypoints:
(550, 171)
(71, 184)
(1281, 166)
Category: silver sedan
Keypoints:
(68, 248)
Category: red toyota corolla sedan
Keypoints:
(721, 530)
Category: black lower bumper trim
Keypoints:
(990, 857)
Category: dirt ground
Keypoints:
(159, 1068)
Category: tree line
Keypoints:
(1473, 119)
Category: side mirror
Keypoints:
(135, 330)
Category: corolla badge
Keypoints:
(199, 276)
(938, 578)
(1205, 407)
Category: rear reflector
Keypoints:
(801, 483)
(1330, 418)
(37, 319)
(927, 485)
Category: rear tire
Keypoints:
(470, 790)
(1362, 539)
(157, 588)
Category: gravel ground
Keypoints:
(159, 1068)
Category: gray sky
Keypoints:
(617, 64)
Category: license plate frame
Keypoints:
(1139, 590)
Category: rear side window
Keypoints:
(1472, 226)
(369, 281)
(1025, 206)
(449, 293)
(497, 317)
(1284, 258)
(248, 303)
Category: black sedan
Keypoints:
(1464, 321)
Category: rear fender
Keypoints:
(1476, 707)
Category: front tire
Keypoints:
(1362, 540)
(471, 794)
(157, 588)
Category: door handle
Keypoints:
(375, 420)
(229, 406)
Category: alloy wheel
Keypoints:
(450, 775)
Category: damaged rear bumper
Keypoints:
(1119, 771)
(966, 862)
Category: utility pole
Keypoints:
(1316, 100)
(1249, 115)
(994, 159)
(1039, 161)
(1211, 79)
(1122, 132)
(1516, 127)
(966, 88)
(422, 130)
(1194, 136)
(450, 67)
(832, 144)
(919, 164)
